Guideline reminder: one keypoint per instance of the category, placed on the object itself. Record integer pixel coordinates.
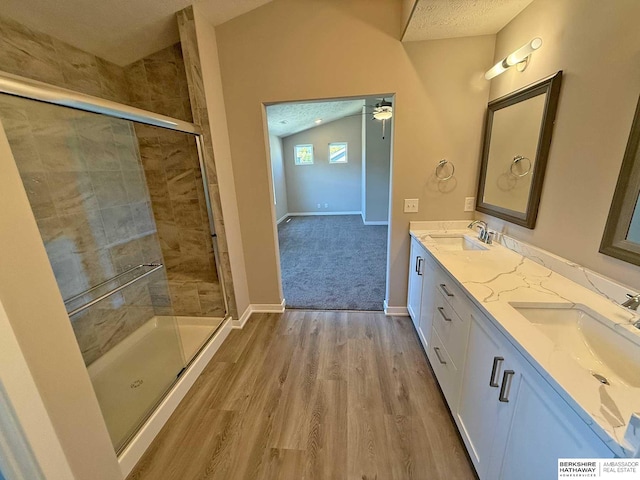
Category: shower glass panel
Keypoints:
(123, 216)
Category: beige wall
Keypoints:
(440, 102)
(597, 46)
(215, 105)
(337, 185)
(279, 178)
(377, 166)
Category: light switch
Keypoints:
(410, 205)
(469, 204)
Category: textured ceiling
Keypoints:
(302, 116)
(434, 19)
(121, 31)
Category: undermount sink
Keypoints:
(456, 242)
(585, 335)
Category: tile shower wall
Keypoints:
(84, 179)
(171, 165)
(156, 83)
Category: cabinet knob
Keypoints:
(441, 310)
(497, 362)
(437, 350)
(507, 378)
(446, 290)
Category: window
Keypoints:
(304, 154)
(338, 152)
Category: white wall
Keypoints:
(339, 184)
(377, 168)
(207, 45)
(597, 46)
(440, 99)
(279, 178)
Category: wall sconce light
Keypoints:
(520, 57)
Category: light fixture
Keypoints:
(520, 56)
(318, 121)
(383, 111)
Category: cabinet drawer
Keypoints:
(443, 367)
(452, 293)
(452, 329)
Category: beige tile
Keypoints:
(72, 192)
(182, 184)
(143, 218)
(39, 194)
(109, 188)
(118, 223)
(79, 68)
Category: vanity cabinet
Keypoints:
(416, 265)
(514, 425)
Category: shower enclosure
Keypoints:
(120, 200)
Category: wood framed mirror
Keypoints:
(517, 138)
(621, 237)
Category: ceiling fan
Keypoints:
(383, 111)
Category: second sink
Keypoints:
(587, 337)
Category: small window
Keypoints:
(304, 154)
(338, 152)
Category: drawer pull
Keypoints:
(446, 290)
(497, 361)
(437, 350)
(507, 378)
(441, 310)
(417, 260)
(420, 260)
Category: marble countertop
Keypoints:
(497, 276)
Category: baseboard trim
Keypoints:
(395, 311)
(308, 214)
(376, 222)
(258, 308)
(136, 448)
(239, 323)
(284, 217)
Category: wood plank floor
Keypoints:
(312, 395)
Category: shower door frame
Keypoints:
(23, 87)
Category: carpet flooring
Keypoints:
(333, 262)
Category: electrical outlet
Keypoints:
(326, 205)
(410, 205)
(318, 205)
(469, 204)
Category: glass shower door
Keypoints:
(84, 179)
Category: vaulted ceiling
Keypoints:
(121, 31)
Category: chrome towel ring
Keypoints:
(517, 159)
(440, 167)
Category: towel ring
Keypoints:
(441, 165)
(517, 159)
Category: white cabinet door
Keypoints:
(414, 296)
(487, 375)
(427, 303)
(543, 428)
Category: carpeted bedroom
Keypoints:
(333, 262)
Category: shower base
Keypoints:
(131, 378)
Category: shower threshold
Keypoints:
(131, 378)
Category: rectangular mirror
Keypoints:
(517, 139)
(621, 237)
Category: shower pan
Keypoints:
(121, 203)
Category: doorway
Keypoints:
(331, 173)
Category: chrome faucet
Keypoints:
(633, 303)
(484, 235)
